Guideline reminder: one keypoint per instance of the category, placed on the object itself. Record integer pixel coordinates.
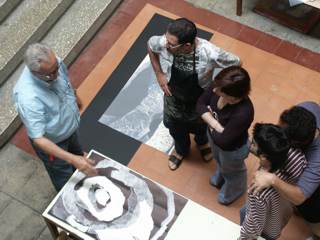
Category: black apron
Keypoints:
(185, 91)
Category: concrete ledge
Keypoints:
(67, 38)
(84, 18)
(28, 23)
(6, 7)
(9, 119)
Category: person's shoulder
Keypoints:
(316, 143)
(156, 42)
(264, 196)
(247, 102)
(204, 44)
(25, 75)
(295, 155)
(24, 81)
(295, 152)
(313, 150)
(244, 110)
(207, 49)
(245, 107)
(26, 97)
(296, 158)
(312, 107)
(25, 89)
(309, 105)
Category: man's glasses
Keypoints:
(172, 46)
(48, 77)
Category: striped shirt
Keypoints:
(268, 212)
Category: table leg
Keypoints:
(52, 228)
(239, 7)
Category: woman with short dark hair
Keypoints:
(228, 111)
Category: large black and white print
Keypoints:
(137, 111)
(117, 204)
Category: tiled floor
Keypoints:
(277, 83)
(259, 22)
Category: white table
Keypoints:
(313, 3)
(193, 222)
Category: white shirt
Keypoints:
(208, 57)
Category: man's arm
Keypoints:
(263, 179)
(82, 163)
(161, 77)
(222, 58)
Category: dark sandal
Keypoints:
(205, 153)
(176, 161)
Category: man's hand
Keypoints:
(261, 180)
(161, 77)
(163, 82)
(85, 165)
(82, 163)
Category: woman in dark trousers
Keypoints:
(228, 111)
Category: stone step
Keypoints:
(6, 7)
(67, 38)
(28, 23)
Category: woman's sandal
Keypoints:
(206, 154)
(176, 161)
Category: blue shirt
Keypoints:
(309, 181)
(47, 109)
(314, 108)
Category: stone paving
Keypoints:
(227, 8)
(25, 191)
